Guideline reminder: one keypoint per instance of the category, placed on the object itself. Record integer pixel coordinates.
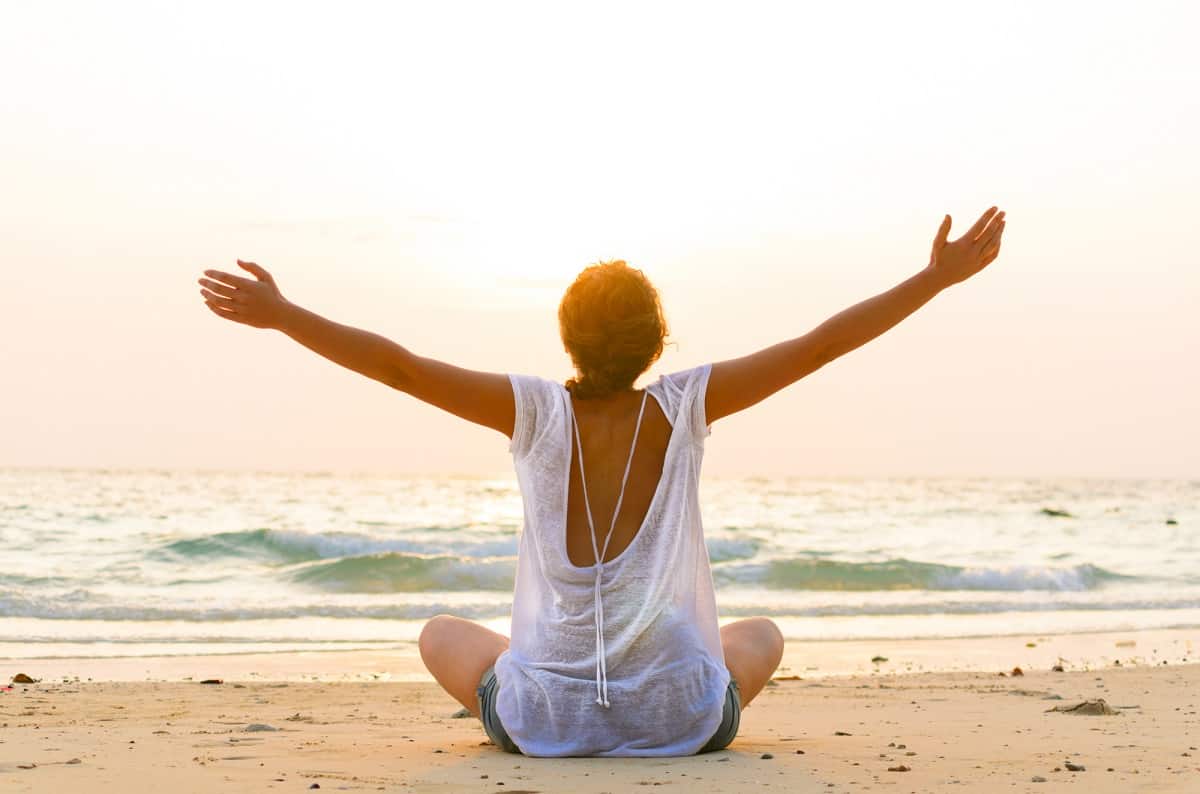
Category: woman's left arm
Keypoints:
(485, 398)
(739, 383)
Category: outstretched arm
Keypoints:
(485, 398)
(741, 382)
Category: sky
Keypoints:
(440, 172)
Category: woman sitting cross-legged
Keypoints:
(615, 646)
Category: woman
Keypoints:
(615, 646)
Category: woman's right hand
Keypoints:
(966, 256)
(258, 303)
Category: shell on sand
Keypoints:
(1094, 708)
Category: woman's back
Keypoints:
(633, 665)
(607, 428)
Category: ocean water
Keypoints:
(112, 563)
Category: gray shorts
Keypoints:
(485, 697)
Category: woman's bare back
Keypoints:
(606, 428)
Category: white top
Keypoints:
(637, 632)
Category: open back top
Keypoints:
(622, 657)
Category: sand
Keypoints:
(888, 729)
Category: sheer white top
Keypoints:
(622, 658)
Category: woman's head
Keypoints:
(612, 326)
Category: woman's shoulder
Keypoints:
(680, 380)
(539, 404)
(681, 394)
(535, 382)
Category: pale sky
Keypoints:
(439, 174)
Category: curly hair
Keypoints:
(613, 327)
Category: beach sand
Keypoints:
(137, 725)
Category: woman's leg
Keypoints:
(753, 648)
(456, 652)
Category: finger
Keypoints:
(222, 313)
(980, 224)
(221, 289)
(991, 233)
(229, 278)
(258, 271)
(942, 232)
(990, 252)
(217, 300)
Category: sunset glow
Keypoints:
(439, 173)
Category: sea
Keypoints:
(110, 563)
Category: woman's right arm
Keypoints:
(739, 383)
(485, 398)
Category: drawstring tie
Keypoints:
(601, 662)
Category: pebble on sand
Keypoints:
(1091, 708)
(1072, 767)
(256, 727)
(1037, 779)
(900, 768)
(21, 678)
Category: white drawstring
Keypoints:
(601, 662)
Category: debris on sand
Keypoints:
(258, 727)
(21, 678)
(842, 733)
(1074, 767)
(1055, 513)
(878, 659)
(1037, 779)
(900, 768)
(1017, 671)
(1092, 708)
(1058, 668)
(212, 681)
